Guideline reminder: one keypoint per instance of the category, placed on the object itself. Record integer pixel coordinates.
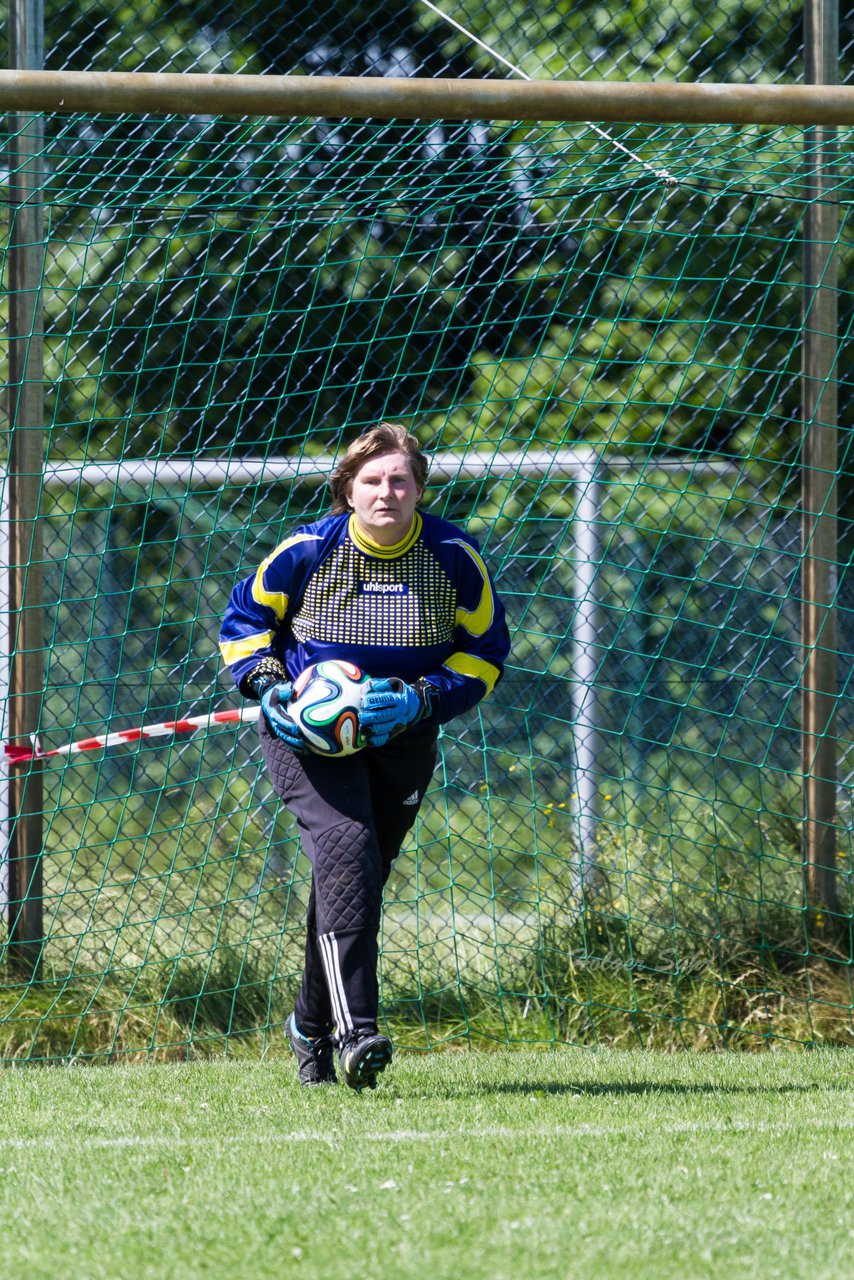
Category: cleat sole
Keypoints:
(363, 1075)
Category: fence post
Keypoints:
(585, 660)
(25, 466)
(819, 487)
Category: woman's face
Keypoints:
(383, 494)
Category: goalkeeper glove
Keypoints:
(389, 706)
(274, 704)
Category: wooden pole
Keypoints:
(385, 98)
(819, 499)
(26, 460)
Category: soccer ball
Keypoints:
(325, 704)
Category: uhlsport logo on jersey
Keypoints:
(385, 588)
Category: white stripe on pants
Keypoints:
(334, 980)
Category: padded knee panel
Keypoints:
(348, 879)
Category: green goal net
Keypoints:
(597, 335)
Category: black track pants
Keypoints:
(353, 814)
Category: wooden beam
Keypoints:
(358, 97)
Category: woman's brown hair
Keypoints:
(388, 437)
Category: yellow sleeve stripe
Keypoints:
(276, 600)
(477, 621)
(234, 650)
(466, 664)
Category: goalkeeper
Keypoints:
(406, 597)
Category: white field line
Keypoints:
(334, 1138)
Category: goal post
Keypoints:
(819, 486)
(21, 489)
(593, 334)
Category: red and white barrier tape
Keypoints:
(167, 729)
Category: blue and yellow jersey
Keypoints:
(423, 608)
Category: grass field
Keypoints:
(478, 1165)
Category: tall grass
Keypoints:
(194, 948)
(554, 989)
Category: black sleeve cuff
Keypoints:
(261, 678)
(429, 695)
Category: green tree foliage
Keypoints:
(251, 283)
(743, 40)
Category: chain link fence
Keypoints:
(741, 40)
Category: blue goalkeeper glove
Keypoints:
(389, 706)
(274, 708)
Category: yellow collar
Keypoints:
(371, 548)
